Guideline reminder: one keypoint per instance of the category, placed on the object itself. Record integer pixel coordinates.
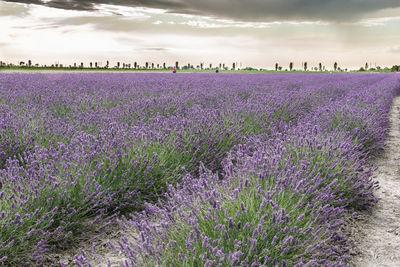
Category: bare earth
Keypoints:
(95, 246)
(379, 234)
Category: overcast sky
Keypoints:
(255, 33)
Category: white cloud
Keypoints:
(374, 22)
(129, 12)
(395, 49)
(211, 22)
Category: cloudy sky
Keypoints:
(251, 32)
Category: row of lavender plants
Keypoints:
(283, 194)
(238, 169)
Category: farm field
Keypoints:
(212, 170)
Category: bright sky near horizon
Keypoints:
(255, 33)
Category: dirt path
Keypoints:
(379, 243)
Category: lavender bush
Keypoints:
(237, 169)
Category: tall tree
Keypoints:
(177, 65)
(366, 66)
(276, 66)
(320, 66)
(305, 66)
(291, 66)
(335, 66)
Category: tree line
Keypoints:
(201, 66)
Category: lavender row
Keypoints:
(282, 198)
(79, 148)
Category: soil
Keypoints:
(95, 246)
(378, 238)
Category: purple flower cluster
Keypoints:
(223, 170)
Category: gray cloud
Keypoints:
(156, 49)
(249, 10)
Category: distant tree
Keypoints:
(280, 68)
(233, 65)
(305, 66)
(75, 65)
(395, 68)
(177, 65)
(108, 64)
(29, 63)
(135, 65)
(152, 65)
(95, 65)
(320, 66)
(291, 66)
(210, 66)
(366, 66)
(276, 66)
(335, 67)
(91, 64)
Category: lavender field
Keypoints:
(212, 170)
